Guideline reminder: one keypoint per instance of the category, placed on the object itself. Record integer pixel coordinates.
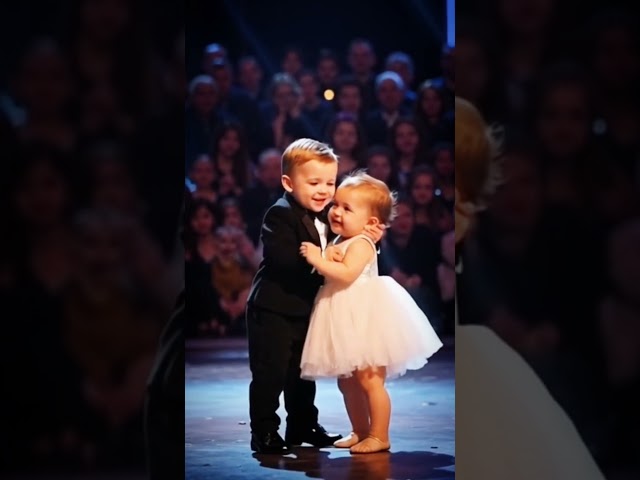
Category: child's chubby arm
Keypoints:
(357, 256)
(280, 244)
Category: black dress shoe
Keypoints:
(316, 436)
(270, 442)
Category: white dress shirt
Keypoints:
(322, 231)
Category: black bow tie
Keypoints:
(322, 216)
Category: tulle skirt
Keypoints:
(372, 322)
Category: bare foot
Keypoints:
(348, 441)
(370, 445)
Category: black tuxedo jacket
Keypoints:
(284, 283)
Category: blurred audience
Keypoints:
(87, 269)
(549, 265)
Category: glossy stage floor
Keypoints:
(217, 425)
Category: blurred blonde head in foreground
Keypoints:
(476, 164)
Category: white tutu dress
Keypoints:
(371, 322)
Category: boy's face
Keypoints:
(312, 184)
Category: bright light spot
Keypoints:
(328, 94)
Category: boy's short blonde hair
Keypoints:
(382, 200)
(303, 150)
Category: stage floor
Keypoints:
(217, 425)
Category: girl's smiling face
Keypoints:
(350, 212)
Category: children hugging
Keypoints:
(364, 328)
(309, 244)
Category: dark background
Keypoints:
(264, 28)
(551, 263)
(50, 419)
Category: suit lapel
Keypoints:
(307, 221)
(311, 228)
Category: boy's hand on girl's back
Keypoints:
(375, 232)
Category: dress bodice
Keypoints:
(371, 269)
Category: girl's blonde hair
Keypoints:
(477, 145)
(381, 199)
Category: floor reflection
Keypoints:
(340, 465)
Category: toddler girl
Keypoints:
(364, 328)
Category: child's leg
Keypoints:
(357, 407)
(372, 382)
(299, 394)
(269, 352)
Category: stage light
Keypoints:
(329, 95)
